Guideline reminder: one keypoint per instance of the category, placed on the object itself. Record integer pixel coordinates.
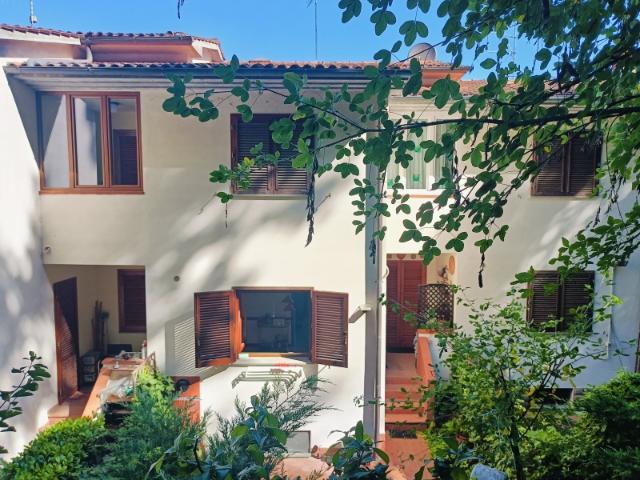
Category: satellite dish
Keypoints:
(423, 51)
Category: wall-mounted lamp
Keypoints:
(360, 311)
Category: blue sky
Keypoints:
(274, 29)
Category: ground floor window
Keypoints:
(132, 300)
(275, 321)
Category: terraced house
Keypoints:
(110, 239)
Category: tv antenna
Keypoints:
(315, 23)
(32, 14)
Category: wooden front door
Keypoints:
(65, 294)
(402, 290)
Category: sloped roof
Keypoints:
(106, 35)
(250, 64)
(37, 30)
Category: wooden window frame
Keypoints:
(272, 190)
(564, 325)
(105, 130)
(123, 326)
(565, 175)
(236, 337)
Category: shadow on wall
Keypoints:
(212, 249)
(26, 322)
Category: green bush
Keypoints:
(62, 451)
(150, 429)
(613, 410)
(603, 443)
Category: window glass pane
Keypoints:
(124, 141)
(88, 141)
(55, 147)
(417, 170)
(443, 162)
(276, 321)
(393, 170)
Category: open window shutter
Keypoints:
(582, 167)
(244, 136)
(216, 326)
(329, 337)
(550, 179)
(542, 307)
(576, 292)
(289, 179)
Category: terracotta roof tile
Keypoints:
(252, 64)
(103, 35)
(162, 35)
(38, 30)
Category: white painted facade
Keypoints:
(188, 242)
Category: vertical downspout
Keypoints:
(380, 363)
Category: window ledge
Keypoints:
(416, 193)
(565, 197)
(257, 360)
(92, 191)
(269, 196)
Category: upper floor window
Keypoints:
(90, 143)
(281, 178)
(420, 175)
(569, 169)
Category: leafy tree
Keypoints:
(504, 374)
(583, 81)
(31, 374)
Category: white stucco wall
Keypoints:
(26, 300)
(176, 229)
(536, 228)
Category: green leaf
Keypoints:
(488, 63)
(245, 112)
(346, 169)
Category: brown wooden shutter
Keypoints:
(550, 179)
(584, 158)
(291, 180)
(132, 301)
(543, 307)
(268, 179)
(576, 292)
(244, 136)
(217, 328)
(329, 328)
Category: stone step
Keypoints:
(400, 416)
(395, 379)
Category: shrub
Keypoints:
(146, 433)
(62, 451)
